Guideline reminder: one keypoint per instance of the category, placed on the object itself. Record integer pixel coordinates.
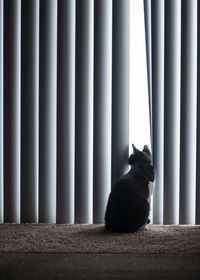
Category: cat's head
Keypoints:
(144, 158)
(140, 156)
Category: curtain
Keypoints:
(64, 89)
(172, 40)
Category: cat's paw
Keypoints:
(144, 227)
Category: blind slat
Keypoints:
(172, 111)
(1, 114)
(198, 126)
(12, 106)
(48, 111)
(30, 111)
(157, 18)
(84, 112)
(188, 112)
(66, 111)
(102, 106)
(120, 87)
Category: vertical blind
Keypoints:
(64, 90)
(172, 37)
(64, 99)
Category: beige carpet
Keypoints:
(57, 238)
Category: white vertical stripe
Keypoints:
(1, 112)
(157, 16)
(102, 106)
(30, 110)
(148, 32)
(139, 128)
(66, 111)
(48, 110)
(12, 89)
(188, 112)
(172, 110)
(84, 111)
(120, 87)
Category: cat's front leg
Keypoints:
(144, 227)
(151, 189)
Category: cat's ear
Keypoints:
(135, 150)
(146, 149)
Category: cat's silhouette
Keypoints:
(128, 203)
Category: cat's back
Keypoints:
(127, 207)
(131, 186)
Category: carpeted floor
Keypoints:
(46, 251)
(94, 239)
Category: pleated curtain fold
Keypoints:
(64, 89)
(172, 39)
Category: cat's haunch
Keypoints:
(128, 203)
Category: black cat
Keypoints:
(128, 204)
